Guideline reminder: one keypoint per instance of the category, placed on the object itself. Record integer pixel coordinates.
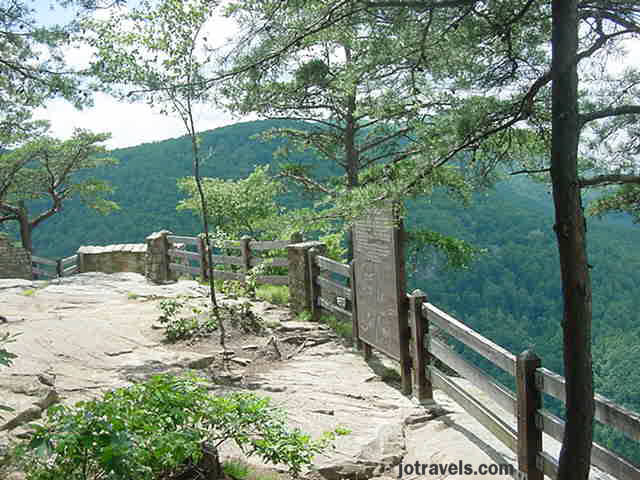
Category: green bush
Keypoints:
(158, 429)
(180, 327)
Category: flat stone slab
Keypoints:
(82, 330)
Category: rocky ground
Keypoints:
(92, 332)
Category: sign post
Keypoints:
(380, 287)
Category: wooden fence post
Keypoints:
(422, 389)
(59, 268)
(314, 271)
(245, 252)
(354, 307)
(529, 401)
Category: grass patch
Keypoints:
(239, 470)
(390, 375)
(236, 468)
(276, 294)
(132, 296)
(30, 292)
(343, 328)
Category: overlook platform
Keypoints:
(83, 333)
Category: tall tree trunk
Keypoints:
(570, 231)
(195, 149)
(25, 227)
(351, 153)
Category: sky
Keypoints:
(133, 124)
(130, 124)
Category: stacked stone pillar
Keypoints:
(300, 287)
(157, 258)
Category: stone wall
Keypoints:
(15, 262)
(128, 257)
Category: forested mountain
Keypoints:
(511, 293)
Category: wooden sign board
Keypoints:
(380, 283)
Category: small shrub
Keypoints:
(241, 316)
(29, 292)
(231, 288)
(180, 327)
(251, 278)
(160, 429)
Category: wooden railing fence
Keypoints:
(188, 255)
(48, 268)
(427, 323)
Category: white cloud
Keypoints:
(130, 124)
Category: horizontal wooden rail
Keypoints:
(333, 308)
(333, 266)
(184, 254)
(178, 267)
(501, 430)
(43, 261)
(325, 283)
(273, 279)
(181, 239)
(498, 393)
(269, 245)
(485, 347)
(604, 459)
(230, 244)
(272, 262)
(226, 259)
(222, 275)
(65, 261)
(70, 270)
(606, 411)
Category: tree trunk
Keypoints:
(351, 153)
(25, 227)
(570, 231)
